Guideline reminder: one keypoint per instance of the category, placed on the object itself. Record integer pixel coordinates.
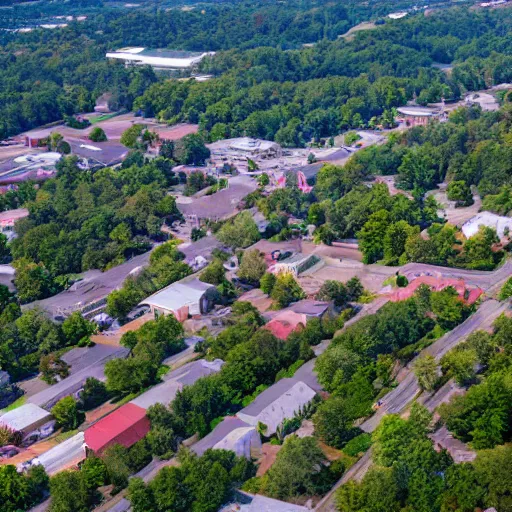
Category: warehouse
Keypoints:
(125, 426)
(159, 59)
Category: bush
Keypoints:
(401, 281)
(267, 283)
(94, 393)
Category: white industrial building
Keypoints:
(159, 59)
(32, 421)
(497, 222)
(279, 402)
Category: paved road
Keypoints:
(356, 472)
(398, 399)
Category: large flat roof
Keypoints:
(159, 58)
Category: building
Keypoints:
(278, 402)
(414, 116)
(181, 299)
(231, 434)
(175, 381)
(30, 420)
(306, 373)
(284, 323)
(502, 225)
(160, 58)
(240, 149)
(124, 426)
(295, 264)
(65, 455)
(7, 220)
(258, 503)
(310, 308)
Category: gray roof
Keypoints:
(23, 417)
(307, 375)
(187, 375)
(218, 434)
(268, 396)
(50, 396)
(310, 307)
(264, 504)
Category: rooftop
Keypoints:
(24, 417)
(159, 58)
(125, 426)
(491, 220)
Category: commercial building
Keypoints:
(125, 426)
(159, 58)
(278, 402)
(181, 299)
(414, 116)
(497, 222)
(232, 434)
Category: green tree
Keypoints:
(75, 327)
(335, 291)
(426, 371)
(267, 283)
(372, 235)
(296, 465)
(67, 413)
(141, 498)
(506, 290)
(94, 394)
(191, 150)
(252, 267)
(69, 493)
(286, 290)
(333, 423)
(239, 233)
(130, 137)
(97, 134)
(214, 273)
(460, 364)
(460, 192)
(395, 238)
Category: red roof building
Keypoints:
(285, 323)
(125, 426)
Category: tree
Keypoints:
(239, 233)
(267, 283)
(333, 424)
(426, 372)
(69, 493)
(354, 288)
(191, 150)
(141, 498)
(395, 238)
(32, 280)
(447, 307)
(460, 192)
(75, 327)
(117, 462)
(97, 135)
(52, 367)
(372, 235)
(67, 414)
(460, 364)
(130, 375)
(20, 491)
(214, 273)
(506, 290)
(333, 291)
(286, 290)
(252, 267)
(296, 465)
(130, 137)
(94, 473)
(94, 394)
(55, 140)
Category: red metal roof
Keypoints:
(125, 426)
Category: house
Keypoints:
(278, 402)
(124, 426)
(284, 323)
(258, 503)
(175, 381)
(499, 223)
(310, 308)
(232, 434)
(9, 218)
(30, 420)
(306, 373)
(181, 299)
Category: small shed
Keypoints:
(232, 434)
(125, 426)
(181, 299)
(25, 419)
(279, 402)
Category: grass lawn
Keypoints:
(18, 403)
